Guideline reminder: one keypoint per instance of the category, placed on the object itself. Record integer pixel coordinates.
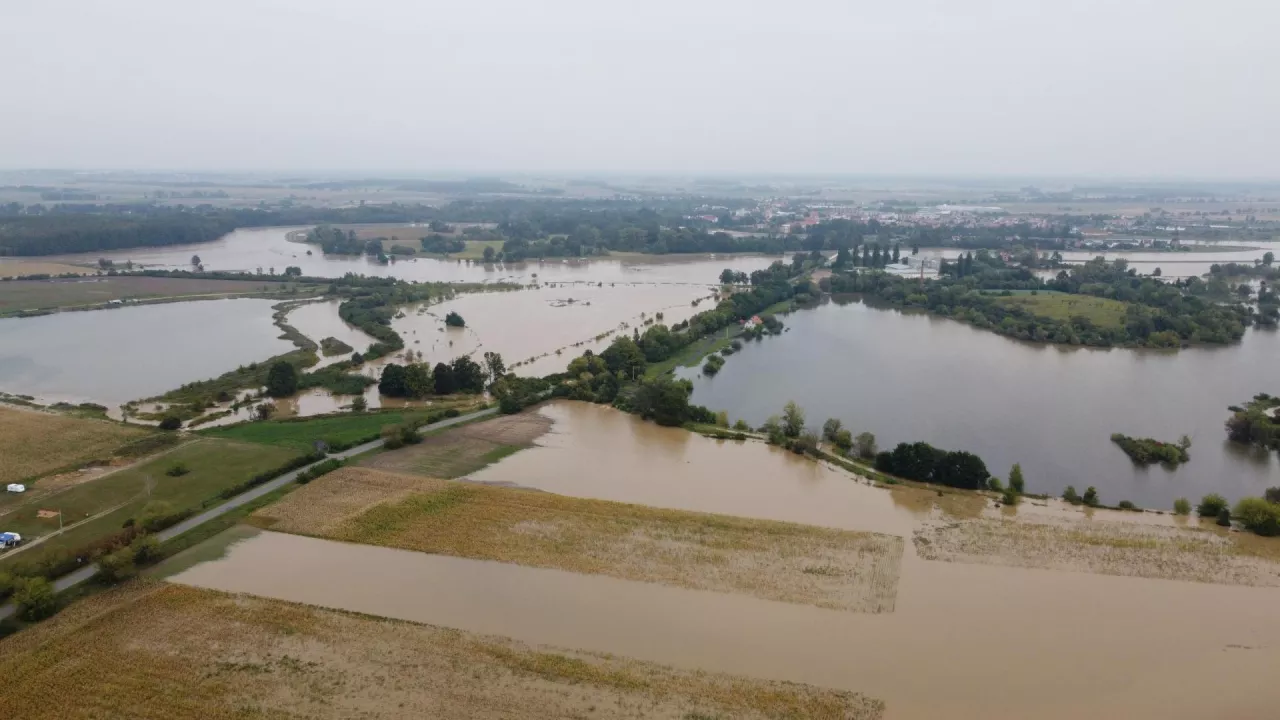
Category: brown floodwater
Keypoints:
(320, 320)
(966, 641)
(529, 326)
(597, 452)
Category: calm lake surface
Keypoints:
(907, 377)
(113, 356)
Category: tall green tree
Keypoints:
(1016, 482)
(282, 380)
(792, 419)
(445, 383)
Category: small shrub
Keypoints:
(1090, 496)
(177, 470)
(994, 484)
(1211, 505)
(1182, 506)
(1128, 505)
(1224, 517)
(1010, 497)
(170, 422)
(452, 413)
(741, 426)
(1016, 482)
(1258, 515)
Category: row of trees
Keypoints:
(418, 380)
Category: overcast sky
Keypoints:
(1135, 88)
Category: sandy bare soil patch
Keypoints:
(36, 442)
(464, 450)
(1109, 547)
(835, 569)
(167, 651)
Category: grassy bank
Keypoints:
(301, 434)
(834, 569)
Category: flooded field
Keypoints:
(598, 452)
(1141, 648)
(530, 326)
(113, 356)
(907, 377)
(964, 639)
(268, 248)
(164, 651)
(788, 562)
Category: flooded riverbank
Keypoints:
(907, 377)
(114, 356)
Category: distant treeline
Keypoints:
(37, 230)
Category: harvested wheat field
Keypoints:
(836, 569)
(459, 451)
(166, 651)
(37, 442)
(1105, 546)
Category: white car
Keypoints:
(16, 488)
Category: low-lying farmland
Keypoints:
(165, 651)
(37, 442)
(835, 569)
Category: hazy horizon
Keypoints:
(959, 89)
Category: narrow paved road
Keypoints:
(79, 576)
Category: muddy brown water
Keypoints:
(532, 324)
(965, 641)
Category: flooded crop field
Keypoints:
(1138, 643)
(837, 569)
(125, 654)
